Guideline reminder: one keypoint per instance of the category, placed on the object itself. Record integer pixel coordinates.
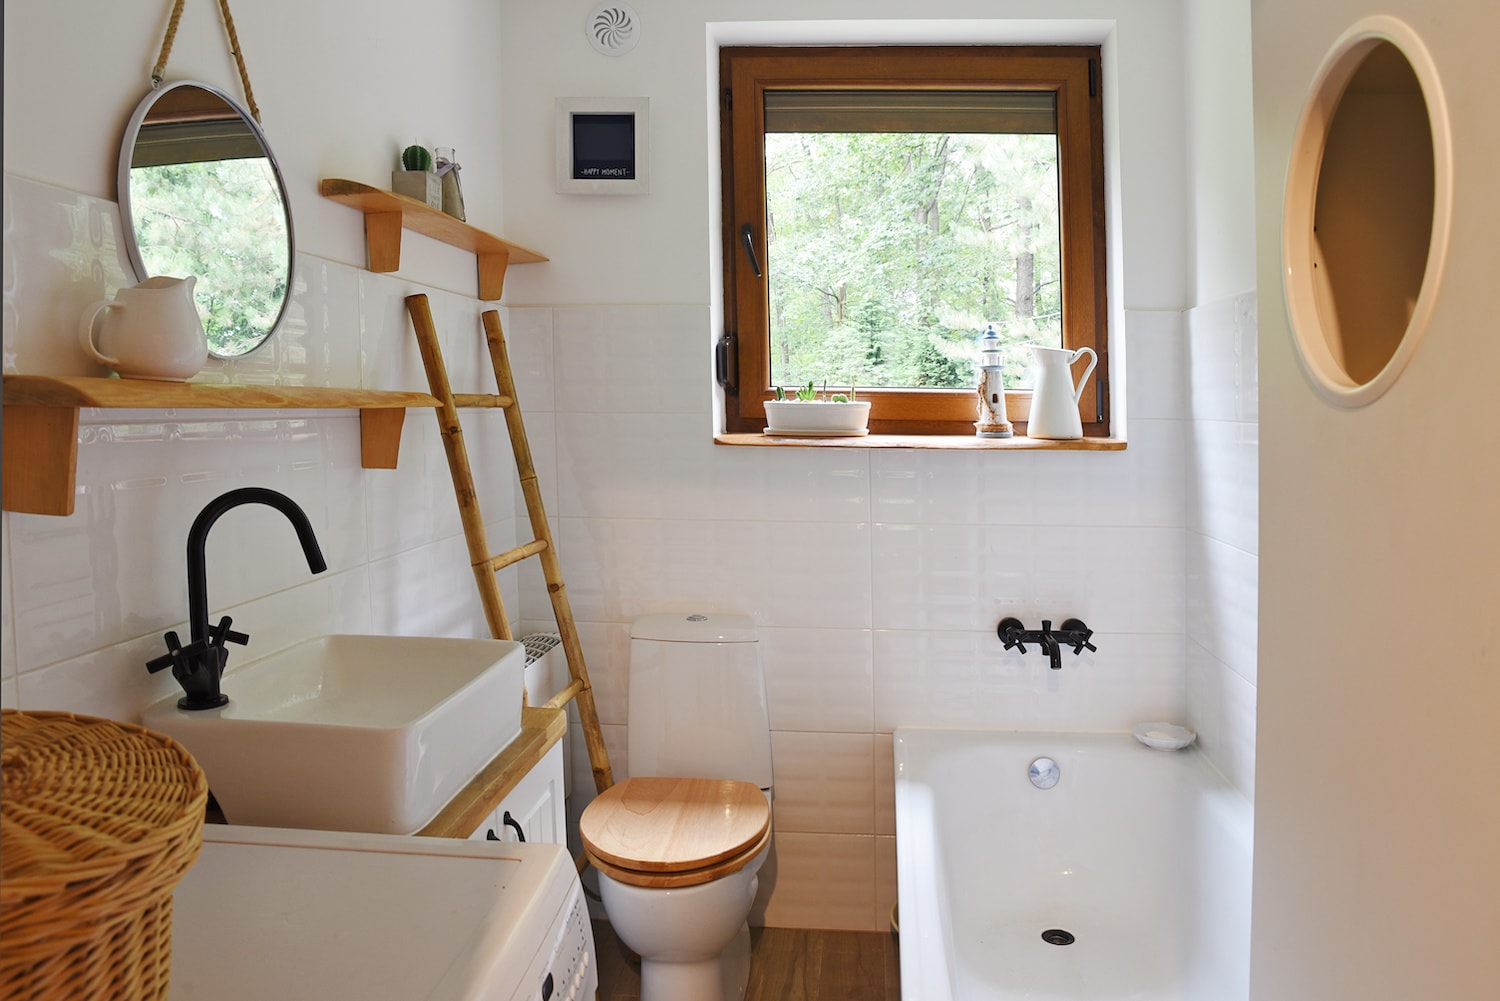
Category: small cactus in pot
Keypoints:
(416, 158)
(416, 179)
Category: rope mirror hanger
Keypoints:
(159, 71)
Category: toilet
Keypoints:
(678, 844)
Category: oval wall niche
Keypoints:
(1367, 211)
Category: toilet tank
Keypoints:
(698, 699)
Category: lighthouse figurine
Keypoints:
(992, 422)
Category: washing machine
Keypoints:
(277, 915)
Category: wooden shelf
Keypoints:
(40, 447)
(387, 214)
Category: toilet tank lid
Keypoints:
(695, 627)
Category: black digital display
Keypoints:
(604, 147)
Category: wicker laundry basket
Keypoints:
(98, 822)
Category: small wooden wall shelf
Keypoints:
(387, 214)
(40, 447)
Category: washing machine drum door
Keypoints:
(664, 832)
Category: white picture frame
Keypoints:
(612, 115)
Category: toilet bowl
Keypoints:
(677, 861)
(679, 844)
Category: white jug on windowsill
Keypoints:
(1054, 399)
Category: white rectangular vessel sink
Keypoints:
(353, 733)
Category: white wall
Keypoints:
(1377, 807)
(1222, 439)
(876, 576)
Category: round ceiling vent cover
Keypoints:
(613, 29)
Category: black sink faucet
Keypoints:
(199, 665)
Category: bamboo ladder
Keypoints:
(485, 564)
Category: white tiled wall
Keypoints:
(876, 576)
(1223, 533)
(87, 597)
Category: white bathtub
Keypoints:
(1143, 856)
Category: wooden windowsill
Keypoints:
(955, 442)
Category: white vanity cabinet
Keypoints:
(535, 805)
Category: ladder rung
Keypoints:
(462, 400)
(502, 560)
(563, 697)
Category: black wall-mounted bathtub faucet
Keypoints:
(1072, 633)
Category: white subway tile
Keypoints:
(1224, 483)
(1239, 736)
(1223, 602)
(817, 881)
(819, 679)
(825, 782)
(528, 339)
(929, 487)
(641, 359)
(1143, 485)
(389, 356)
(606, 649)
(1247, 340)
(790, 574)
(1221, 708)
(967, 680)
(428, 591)
(310, 346)
(957, 577)
(62, 251)
(1213, 361)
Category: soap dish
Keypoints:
(1164, 736)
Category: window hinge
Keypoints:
(726, 362)
(1093, 78)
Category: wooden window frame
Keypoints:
(1070, 72)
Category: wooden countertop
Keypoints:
(540, 729)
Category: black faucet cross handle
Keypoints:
(168, 659)
(1078, 636)
(223, 634)
(1010, 631)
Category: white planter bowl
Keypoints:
(816, 416)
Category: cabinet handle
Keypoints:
(510, 821)
(490, 835)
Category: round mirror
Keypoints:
(200, 194)
(1366, 217)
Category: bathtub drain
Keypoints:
(1056, 936)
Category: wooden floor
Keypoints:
(787, 964)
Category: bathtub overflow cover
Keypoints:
(1056, 936)
(1044, 773)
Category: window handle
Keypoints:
(747, 237)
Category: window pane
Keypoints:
(889, 252)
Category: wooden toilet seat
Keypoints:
(668, 832)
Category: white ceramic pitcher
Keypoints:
(1054, 399)
(149, 331)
